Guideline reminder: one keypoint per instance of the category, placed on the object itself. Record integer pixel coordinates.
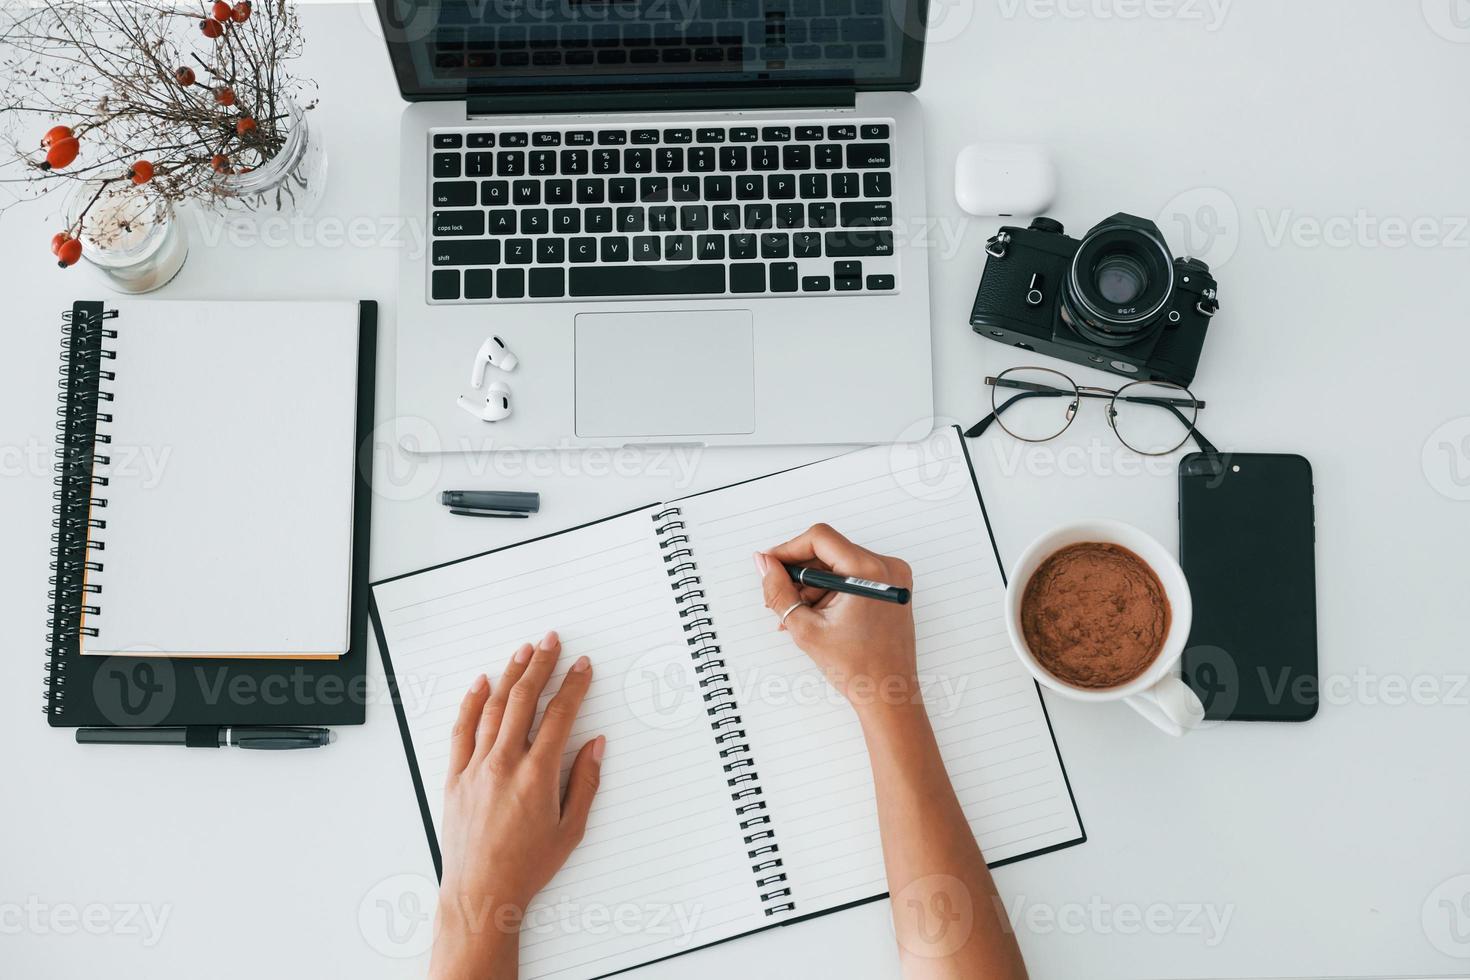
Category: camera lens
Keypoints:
(1121, 280)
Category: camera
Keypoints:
(1115, 300)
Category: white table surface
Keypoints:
(1317, 135)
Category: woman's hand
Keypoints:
(865, 647)
(507, 826)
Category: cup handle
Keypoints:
(1170, 704)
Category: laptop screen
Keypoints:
(456, 48)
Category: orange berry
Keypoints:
(240, 12)
(142, 172)
(245, 125)
(220, 163)
(62, 153)
(184, 76)
(57, 240)
(211, 27)
(69, 252)
(224, 95)
(55, 135)
(220, 10)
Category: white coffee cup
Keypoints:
(1158, 693)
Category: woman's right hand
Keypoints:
(865, 647)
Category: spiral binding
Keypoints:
(720, 705)
(80, 471)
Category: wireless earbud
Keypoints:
(493, 351)
(495, 407)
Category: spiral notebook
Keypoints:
(736, 791)
(209, 505)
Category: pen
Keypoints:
(210, 737)
(498, 503)
(833, 582)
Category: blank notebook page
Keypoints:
(661, 869)
(230, 480)
(919, 503)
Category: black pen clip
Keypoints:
(488, 513)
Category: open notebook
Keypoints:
(736, 791)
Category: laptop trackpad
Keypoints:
(665, 374)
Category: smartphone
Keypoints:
(1247, 543)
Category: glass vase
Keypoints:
(289, 183)
(130, 239)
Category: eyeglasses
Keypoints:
(1152, 418)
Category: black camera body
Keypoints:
(1116, 299)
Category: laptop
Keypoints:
(692, 221)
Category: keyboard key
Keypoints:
(866, 214)
(653, 189)
(710, 136)
(866, 156)
(776, 134)
(764, 158)
(579, 137)
(629, 220)
(880, 282)
(808, 134)
(479, 283)
(611, 137)
(535, 221)
(526, 192)
(806, 245)
(502, 221)
(513, 139)
(781, 187)
(459, 223)
(647, 280)
(547, 282)
(510, 283)
(558, 192)
(566, 221)
(447, 165)
(796, 156)
(701, 159)
(551, 251)
(847, 270)
(573, 162)
(845, 185)
(598, 220)
(605, 161)
(815, 284)
(759, 216)
(846, 132)
(693, 217)
(479, 164)
(790, 216)
(480, 140)
(510, 163)
(670, 159)
(541, 163)
(821, 215)
(614, 248)
(637, 160)
(589, 191)
(748, 277)
(447, 141)
(685, 188)
(718, 188)
(743, 134)
(726, 217)
(859, 241)
(829, 156)
(847, 285)
(783, 277)
(875, 131)
(750, 187)
(877, 183)
(519, 251)
(710, 247)
(494, 193)
(622, 190)
(582, 250)
(546, 139)
(775, 245)
(813, 186)
(742, 246)
(646, 248)
(678, 248)
(444, 284)
(678, 136)
(454, 194)
(732, 158)
(645, 136)
(480, 251)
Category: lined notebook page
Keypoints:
(661, 869)
(916, 502)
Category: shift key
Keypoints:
(858, 241)
(459, 223)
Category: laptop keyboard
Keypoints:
(545, 214)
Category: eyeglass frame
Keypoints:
(1089, 391)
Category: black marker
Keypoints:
(833, 582)
(491, 503)
(210, 736)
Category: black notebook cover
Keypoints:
(101, 691)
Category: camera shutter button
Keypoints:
(1033, 292)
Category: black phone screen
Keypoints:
(1247, 545)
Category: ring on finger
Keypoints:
(789, 610)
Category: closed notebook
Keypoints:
(736, 791)
(221, 516)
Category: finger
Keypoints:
(490, 718)
(781, 594)
(462, 737)
(561, 713)
(520, 704)
(822, 543)
(582, 788)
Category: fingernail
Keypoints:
(480, 684)
(760, 564)
(582, 664)
(550, 640)
(599, 745)
(523, 654)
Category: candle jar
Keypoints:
(130, 239)
(290, 182)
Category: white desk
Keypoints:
(1324, 844)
